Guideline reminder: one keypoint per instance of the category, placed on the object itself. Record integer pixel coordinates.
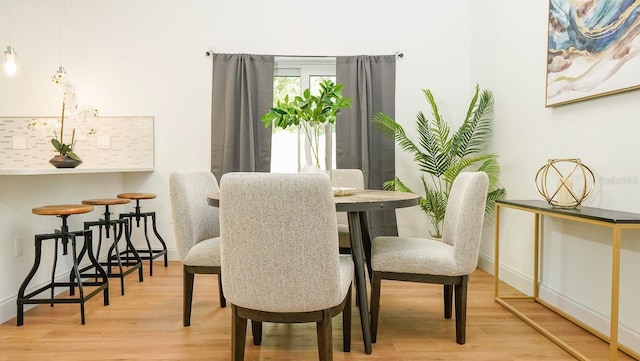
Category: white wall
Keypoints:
(146, 57)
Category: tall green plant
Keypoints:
(441, 155)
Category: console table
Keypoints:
(615, 220)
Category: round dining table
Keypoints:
(357, 204)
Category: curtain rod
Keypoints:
(397, 54)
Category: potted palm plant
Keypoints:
(309, 112)
(442, 154)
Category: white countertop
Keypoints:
(78, 170)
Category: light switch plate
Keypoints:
(104, 142)
(18, 142)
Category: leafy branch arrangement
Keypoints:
(312, 111)
(442, 155)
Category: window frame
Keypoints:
(305, 68)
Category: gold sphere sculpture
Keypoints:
(572, 184)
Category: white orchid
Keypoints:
(46, 127)
(84, 114)
(78, 119)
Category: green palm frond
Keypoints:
(391, 128)
(396, 185)
(434, 204)
(464, 164)
(434, 160)
(473, 134)
(439, 143)
(492, 197)
(439, 128)
(492, 168)
(429, 160)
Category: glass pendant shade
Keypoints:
(10, 66)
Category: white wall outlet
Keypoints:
(19, 246)
(104, 142)
(18, 142)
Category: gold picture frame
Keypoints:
(591, 50)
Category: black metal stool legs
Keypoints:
(150, 253)
(114, 259)
(129, 252)
(65, 236)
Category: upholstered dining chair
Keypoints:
(279, 253)
(448, 261)
(351, 178)
(197, 229)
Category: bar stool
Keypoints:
(114, 255)
(63, 211)
(150, 253)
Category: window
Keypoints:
(292, 76)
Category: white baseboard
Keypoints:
(508, 275)
(626, 335)
(8, 307)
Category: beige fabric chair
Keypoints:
(449, 261)
(197, 229)
(352, 178)
(280, 260)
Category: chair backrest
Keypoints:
(352, 178)
(279, 241)
(464, 217)
(193, 219)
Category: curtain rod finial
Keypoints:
(208, 53)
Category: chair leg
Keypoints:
(461, 310)
(375, 304)
(223, 301)
(238, 334)
(187, 295)
(323, 329)
(256, 332)
(346, 323)
(448, 298)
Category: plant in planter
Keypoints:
(442, 155)
(310, 112)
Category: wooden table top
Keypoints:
(360, 200)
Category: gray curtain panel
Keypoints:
(242, 93)
(371, 82)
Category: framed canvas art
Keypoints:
(593, 49)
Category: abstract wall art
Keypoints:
(593, 49)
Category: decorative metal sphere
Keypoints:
(572, 184)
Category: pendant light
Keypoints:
(10, 62)
(10, 66)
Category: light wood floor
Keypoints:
(146, 324)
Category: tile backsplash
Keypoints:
(120, 143)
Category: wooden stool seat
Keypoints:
(137, 195)
(106, 201)
(62, 209)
